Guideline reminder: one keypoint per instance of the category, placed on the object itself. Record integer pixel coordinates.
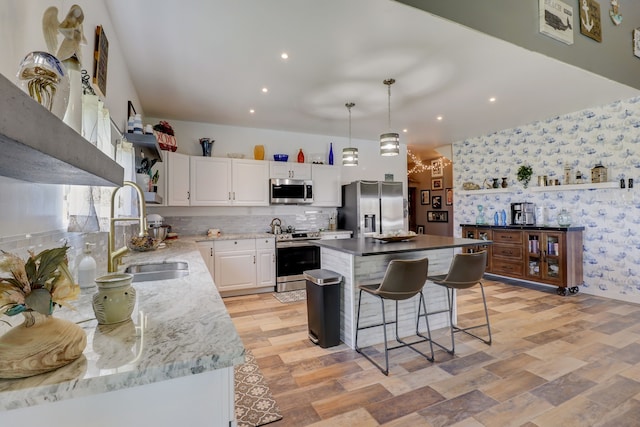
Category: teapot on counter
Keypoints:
(276, 226)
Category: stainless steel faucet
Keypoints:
(115, 255)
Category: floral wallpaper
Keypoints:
(609, 135)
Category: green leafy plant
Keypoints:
(524, 174)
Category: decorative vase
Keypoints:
(495, 183)
(207, 146)
(480, 219)
(115, 299)
(258, 152)
(331, 153)
(504, 184)
(564, 218)
(300, 156)
(73, 114)
(40, 344)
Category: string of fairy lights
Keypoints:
(420, 166)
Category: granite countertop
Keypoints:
(526, 227)
(180, 327)
(366, 246)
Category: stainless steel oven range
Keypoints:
(294, 255)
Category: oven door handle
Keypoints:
(294, 244)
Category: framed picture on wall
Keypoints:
(436, 202)
(448, 196)
(436, 184)
(436, 168)
(556, 20)
(437, 216)
(420, 229)
(424, 197)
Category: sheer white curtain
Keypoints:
(88, 207)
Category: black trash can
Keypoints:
(323, 306)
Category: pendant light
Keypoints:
(349, 154)
(389, 142)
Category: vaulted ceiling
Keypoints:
(208, 61)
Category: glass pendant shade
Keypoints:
(350, 156)
(389, 144)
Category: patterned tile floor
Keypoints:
(555, 361)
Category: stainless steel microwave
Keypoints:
(290, 191)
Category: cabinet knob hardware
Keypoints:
(188, 195)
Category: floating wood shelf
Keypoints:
(36, 146)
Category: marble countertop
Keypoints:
(366, 246)
(180, 327)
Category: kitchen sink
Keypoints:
(158, 271)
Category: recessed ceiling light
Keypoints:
(265, 90)
(439, 118)
(492, 99)
(252, 111)
(405, 130)
(284, 55)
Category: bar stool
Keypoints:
(465, 271)
(402, 280)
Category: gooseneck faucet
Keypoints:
(115, 255)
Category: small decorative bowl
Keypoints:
(280, 157)
(143, 244)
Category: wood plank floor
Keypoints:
(555, 361)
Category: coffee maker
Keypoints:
(523, 213)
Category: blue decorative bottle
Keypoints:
(331, 153)
(495, 218)
(503, 217)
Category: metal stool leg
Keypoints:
(486, 315)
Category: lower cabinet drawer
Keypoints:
(507, 251)
(507, 268)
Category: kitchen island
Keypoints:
(171, 364)
(364, 261)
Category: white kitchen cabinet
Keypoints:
(265, 262)
(206, 250)
(218, 181)
(327, 185)
(234, 264)
(242, 266)
(177, 179)
(290, 170)
(250, 182)
(210, 181)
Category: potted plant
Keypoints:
(524, 174)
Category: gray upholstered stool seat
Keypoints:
(465, 271)
(403, 280)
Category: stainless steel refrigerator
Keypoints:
(372, 207)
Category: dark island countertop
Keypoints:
(525, 227)
(367, 246)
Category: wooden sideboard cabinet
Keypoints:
(549, 255)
